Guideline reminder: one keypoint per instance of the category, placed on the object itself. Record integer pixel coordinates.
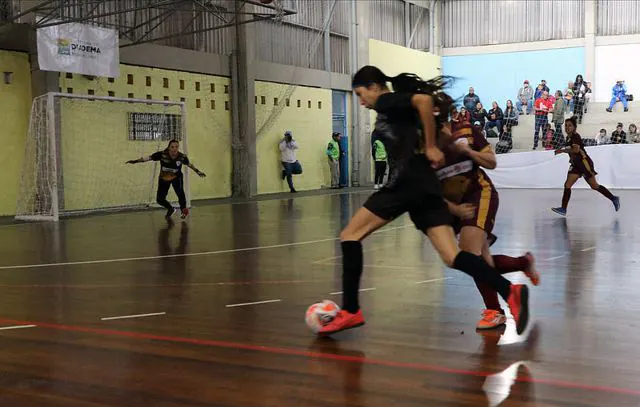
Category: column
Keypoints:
(243, 140)
(590, 42)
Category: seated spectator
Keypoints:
(494, 118)
(619, 94)
(618, 136)
(601, 137)
(545, 88)
(547, 137)
(525, 98)
(505, 143)
(510, 114)
(479, 114)
(634, 136)
(471, 100)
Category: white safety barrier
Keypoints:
(617, 165)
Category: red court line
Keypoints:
(311, 354)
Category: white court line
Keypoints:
(133, 316)
(433, 280)
(6, 328)
(252, 303)
(372, 249)
(168, 256)
(360, 290)
(588, 248)
(553, 258)
(381, 266)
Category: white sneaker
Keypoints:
(376, 186)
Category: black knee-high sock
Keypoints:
(351, 273)
(604, 191)
(477, 268)
(566, 195)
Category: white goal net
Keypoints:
(76, 150)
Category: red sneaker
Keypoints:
(343, 321)
(185, 213)
(519, 305)
(530, 271)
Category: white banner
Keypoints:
(617, 166)
(79, 48)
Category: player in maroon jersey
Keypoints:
(580, 165)
(473, 200)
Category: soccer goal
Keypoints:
(76, 149)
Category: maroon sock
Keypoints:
(489, 296)
(565, 197)
(508, 264)
(604, 191)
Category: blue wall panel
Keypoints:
(499, 76)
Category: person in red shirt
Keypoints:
(543, 106)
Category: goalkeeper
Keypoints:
(171, 161)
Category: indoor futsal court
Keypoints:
(127, 309)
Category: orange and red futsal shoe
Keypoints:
(343, 321)
(491, 319)
(530, 271)
(519, 305)
(185, 213)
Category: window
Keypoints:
(275, 101)
(129, 79)
(182, 84)
(165, 82)
(213, 105)
(69, 90)
(197, 86)
(197, 103)
(148, 81)
(213, 88)
(91, 92)
(319, 105)
(69, 75)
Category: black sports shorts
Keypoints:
(416, 191)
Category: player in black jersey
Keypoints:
(413, 187)
(171, 162)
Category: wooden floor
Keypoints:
(192, 339)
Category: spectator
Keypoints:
(558, 116)
(479, 114)
(618, 136)
(510, 114)
(494, 118)
(542, 107)
(380, 159)
(587, 97)
(580, 91)
(525, 98)
(545, 88)
(471, 100)
(334, 153)
(547, 137)
(619, 94)
(568, 97)
(290, 164)
(538, 92)
(601, 137)
(634, 136)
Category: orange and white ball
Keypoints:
(320, 314)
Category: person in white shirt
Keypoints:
(290, 164)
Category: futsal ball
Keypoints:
(320, 314)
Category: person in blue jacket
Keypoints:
(619, 94)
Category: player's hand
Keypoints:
(435, 156)
(461, 145)
(131, 161)
(201, 174)
(556, 152)
(464, 211)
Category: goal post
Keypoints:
(76, 149)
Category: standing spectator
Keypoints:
(471, 100)
(510, 114)
(380, 159)
(558, 120)
(290, 164)
(618, 136)
(333, 152)
(525, 98)
(494, 118)
(634, 136)
(479, 114)
(619, 94)
(580, 91)
(542, 107)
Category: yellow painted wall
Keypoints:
(394, 59)
(311, 127)
(99, 130)
(15, 107)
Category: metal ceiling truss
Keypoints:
(144, 21)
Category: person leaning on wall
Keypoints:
(291, 166)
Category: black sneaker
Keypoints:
(170, 213)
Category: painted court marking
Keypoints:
(6, 328)
(168, 256)
(133, 316)
(317, 355)
(360, 290)
(588, 249)
(433, 280)
(251, 303)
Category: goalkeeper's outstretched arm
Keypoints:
(197, 171)
(139, 160)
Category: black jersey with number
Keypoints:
(398, 128)
(170, 168)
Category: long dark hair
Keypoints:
(407, 83)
